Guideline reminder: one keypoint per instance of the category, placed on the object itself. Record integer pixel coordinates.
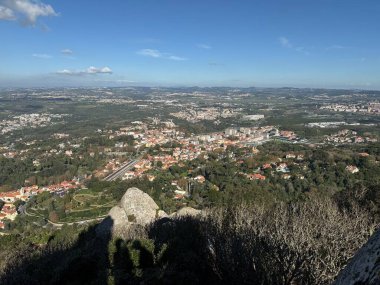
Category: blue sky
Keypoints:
(301, 43)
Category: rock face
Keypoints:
(139, 206)
(364, 268)
(136, 208)
(161, 214)
(118, 216)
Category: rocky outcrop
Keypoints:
(136, 209)
(187, 211)
(364, 267)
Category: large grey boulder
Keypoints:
(364, 267)
(139, 206)
(135, 210)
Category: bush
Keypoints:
(303, 243)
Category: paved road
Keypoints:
(121, 170)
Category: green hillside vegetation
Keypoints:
(322, 171)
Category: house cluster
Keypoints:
(115, 101)
(111, 165)
(189, 148)
(166, 160)
(258, 135)
(146, 137)
(231, 136)
(279, 166)
(24, 193)
(156, 133)
(61, 189)
(67, 148)
(288, 135)
(9, 151)
(193, 115)
(276, 166)
(255, 176)
(252, 117)
(246, 135)
(34, 120)
(60, 135)
(9, 210)
(371, 108)
(326, 124)
(348, 136)
(9, 154)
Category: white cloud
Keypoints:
(203, 46)
(91, 70)
(67, 51)
(27, 11)
(285, 42)
(302, 50)
(178, 58)
(95, 70)
(157, 54)
(150, 52)
(42, 55)
(337, 48)
(67, 72)
(6, 14)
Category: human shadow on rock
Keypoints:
(84, 262)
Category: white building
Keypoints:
(253, 117)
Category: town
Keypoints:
(159, 145)
(29, 121)
(370, 108)
(170, 140)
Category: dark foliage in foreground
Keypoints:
(299, 243)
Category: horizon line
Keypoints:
(188, 86)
